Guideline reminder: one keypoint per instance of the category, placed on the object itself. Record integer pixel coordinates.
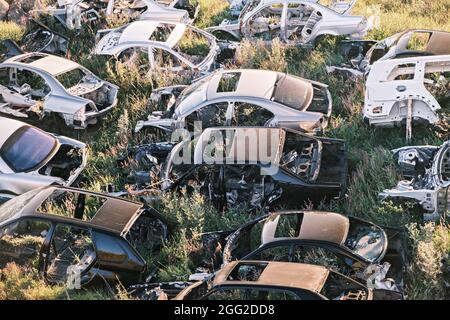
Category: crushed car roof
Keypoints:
(326, 226)
(49, 63)
(282, 274)
(115, 215)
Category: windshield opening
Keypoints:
(12, 207)
(196, 87)
(27, 149)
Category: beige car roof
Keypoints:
(143, 30)
(252, 83)
(283, 274)
(52, 64)
(315, 225)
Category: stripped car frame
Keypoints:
(44, 84)
(407, 90)
(242, 98)
(80, 238)
(427, 169)
(160, 45)
(295, 22)
(357, 248)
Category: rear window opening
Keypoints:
(27, 149)
(247, 272)
(292, 92)
(71, 204)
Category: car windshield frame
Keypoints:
(193, 88)
(13, 207)
(28, 142)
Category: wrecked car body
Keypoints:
(79, 238)
(73, 13)
(242, 98)
(39, 38)
(177, 11)
(295, 22)
(269, 280)
(342, 7)
(31, 158)
(359, 249)
(161, 46)
(41, 84)
(407, 90)
(409, 43)
(297, 169)
(427, 173)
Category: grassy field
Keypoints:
(371, 167)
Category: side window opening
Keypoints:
(247, 114)
(282, 253)
(251, 294)
(165, 60)
(437, 81)
(266, 24)
(31, 84)
(213, 115)
(402, 72)
(71, 252)
(21, 241)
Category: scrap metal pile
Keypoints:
(266, 127)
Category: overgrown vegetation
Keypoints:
(371, 167)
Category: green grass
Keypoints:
(371, 167)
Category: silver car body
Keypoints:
(136, 35)
(293, 21)
(79, 105)
(72, 13)
(268, 91)
(14, 182)
(401, 88)
(428, 187)
(343, 7)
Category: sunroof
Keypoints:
(31, 58)
(229, 82)
(247, 272)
